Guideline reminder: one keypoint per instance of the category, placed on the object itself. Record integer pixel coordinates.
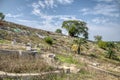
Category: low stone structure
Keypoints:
(19, 53)
(69, 68)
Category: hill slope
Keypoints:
(92, 54)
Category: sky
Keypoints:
(102, 16)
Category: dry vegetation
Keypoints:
(14, 64)
(61, 46)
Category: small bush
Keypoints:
(48, 40)
(102, 44)
(58, 31)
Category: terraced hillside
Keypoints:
(92, 64)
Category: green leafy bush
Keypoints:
(58, 31)
(48, 40)
(102, 44)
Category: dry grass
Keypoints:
(12, 63)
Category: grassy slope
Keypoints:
(61, 46)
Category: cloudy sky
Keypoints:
(102, 16)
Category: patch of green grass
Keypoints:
(67, 59)
(4, 41)
(48, 40)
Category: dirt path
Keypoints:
(26, 74)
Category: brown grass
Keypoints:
(15, 64)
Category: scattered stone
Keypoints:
(69, 68)
(49, 58)
(28, 47)
(95, 64)
(51, 55)
(40, 36)
(20, 52)
(13, 42)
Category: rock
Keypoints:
(69, 68)
(28, 46)
(95, 64)
(74, 70)
(65, 69)
(51, 55)
(20, 52)
(49, 58)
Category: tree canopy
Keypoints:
(58, 31)
(2, 16)
(98, 38)
(76, 28)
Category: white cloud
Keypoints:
(84, 9)
(38, 6)
(100, 20)
(65, 1)
(28, 21)
(50, 22)
(104, 0)
(41, 4)
(111, 10)
(13, 15)
(52, 3)
(67, 17)
(35, 5)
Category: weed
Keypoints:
(48, 40)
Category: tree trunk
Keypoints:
(79, 49)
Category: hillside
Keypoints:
(92, 63)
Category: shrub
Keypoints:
(98, 38)
(48, 40)
(58, 31)
(102, 44)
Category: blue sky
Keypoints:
(102, 16)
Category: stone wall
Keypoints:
(18, 53)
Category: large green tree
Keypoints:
(76, 28)
(2, 16)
